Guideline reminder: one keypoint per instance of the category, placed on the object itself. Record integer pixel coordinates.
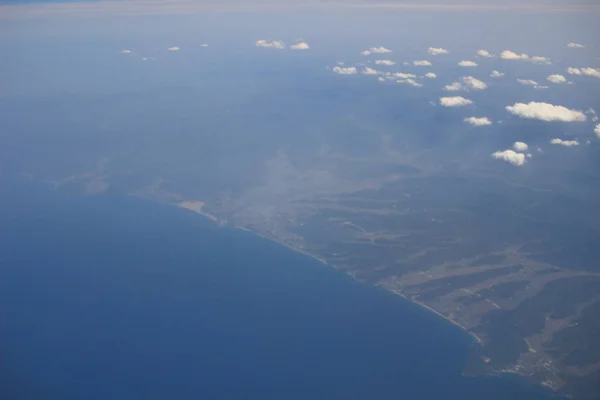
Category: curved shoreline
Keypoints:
(196, 206)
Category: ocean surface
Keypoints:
(121, 298)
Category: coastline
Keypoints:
(197, 207)
(475, 340)
(439, 314)
(322, 261)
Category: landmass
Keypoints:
(529, 305)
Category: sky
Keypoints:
(475, 66)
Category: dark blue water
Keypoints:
(119, 298)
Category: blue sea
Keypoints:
(121, 298)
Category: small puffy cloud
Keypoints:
(369, 71)
(401, 75)
(575, 45)
(422, 63)
(510, 55)
(475, 121)
(597, 130)
(203, 45)
(375, 50)
(453, 87)
(385, 62)
(510, 156)
(473, 83)
(545, 112)
(595, 72)
(434, 51)
(409, 81)
(464, 63)
(126, 51)
(485, 53)
(381, 79)
(540, 60)
(300, 46)
(456, 101)
(345, 71)
(275, 44)
(430, 75)
(497, 74)
(174, 48)
(566, 143)
(528, 82)
(380, 50)
(556, 78)
(469, 83)
(520, 146)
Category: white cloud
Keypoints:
(300, 46)
(556, 78)
(126, 51)
(520, 146)
(275, 44)
(485, 53)
(434, 51)
(469, 83)
(597, 130)
(430, 75)
(345, 71)
(380, 50)
(473, 83)
(497, 74)
(566, 143)
(410, 81)
(595, 72)
(453, 87)
(528, 82)
(376, 50)
(456, 101)
(203, 45)
(540, 60)
(510, 156)
(478, 121)
(173, 49)
(545, 112)
(369, 71)
(381, 79)
(399, 75)
(385, 62)
(576, 45)
(510, 55)
(464, 63)
(422, 63)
